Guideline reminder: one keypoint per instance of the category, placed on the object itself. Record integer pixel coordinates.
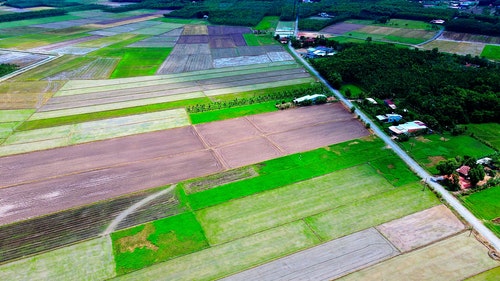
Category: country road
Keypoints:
(449, 198)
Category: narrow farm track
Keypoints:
(44, 182)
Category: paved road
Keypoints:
(449, 198)
(441, 30)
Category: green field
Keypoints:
(491, 52)
(486, 206)
(268, 23)
(259, 39)
(488, 132)
(309, 198)
(92, 259)
(383, 37)
(228, 113)
(430, 149)
(158, 241)
(36, 40)
(397, 23)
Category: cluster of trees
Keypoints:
(317, 88)
(449, 167)
(378, 10)
(439, 89)
(7, 68)
(234, 12)
(36, 3)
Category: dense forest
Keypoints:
(439, 89)
(7, 68)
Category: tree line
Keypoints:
(439, 89)
(7, 68)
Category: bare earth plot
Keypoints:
(81, 180)
(455, 47)
(326, 261)
(421, 228)
(470, 37)
(341, 28)
(455, 258)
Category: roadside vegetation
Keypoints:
(7, 68)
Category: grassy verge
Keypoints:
(228, 113)
(158, 241)
(79, 118)
(355, 90)
(486, 206)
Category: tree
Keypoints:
(447, 167)
(476, 174)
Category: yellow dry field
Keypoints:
(33, 94)
(455, 47)
(195, 30)
(455, 258)
(91, 26)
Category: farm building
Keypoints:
(311, 98)
(371, 100)
(389, 118)
(463, 171)
(408, 128)
(319, 51)
(390, 104)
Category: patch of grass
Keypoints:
(409, 24)
(485, 205)
(267, 23)
(79, 118)
(394, 170)
(355, 90)
(488, 132)
(404, 40)
(491, 52)
(371, 211)
(446, 146)
(157, 241)
(228, 113)
(490, 275)
(294, 168)
(234, 219)
(259, 39)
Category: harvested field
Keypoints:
(63, 228)
(46, 138)
(56, 188)
(29, 94)
(421, 228)
(244, 152)
(470, 37)
(20, 58)
(190, 29)
(226, 30)
(99, 68)
(53, 47)
(72, 50)
(193, 39)
(190, 49)
(161, 28)
(90, 260)
(341, 28)
(454, 47)
(279, 56)
(251, 50)
(469, 257)
(326, 261)
(65, 24)
(198, 62)
(240, 89)
(241, 60)
(101, 42)
(224, 53)
(402, 32)
(232, 257)
(221, 41)
(126, 20)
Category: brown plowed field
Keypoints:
(44, 182)
(341, 28)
